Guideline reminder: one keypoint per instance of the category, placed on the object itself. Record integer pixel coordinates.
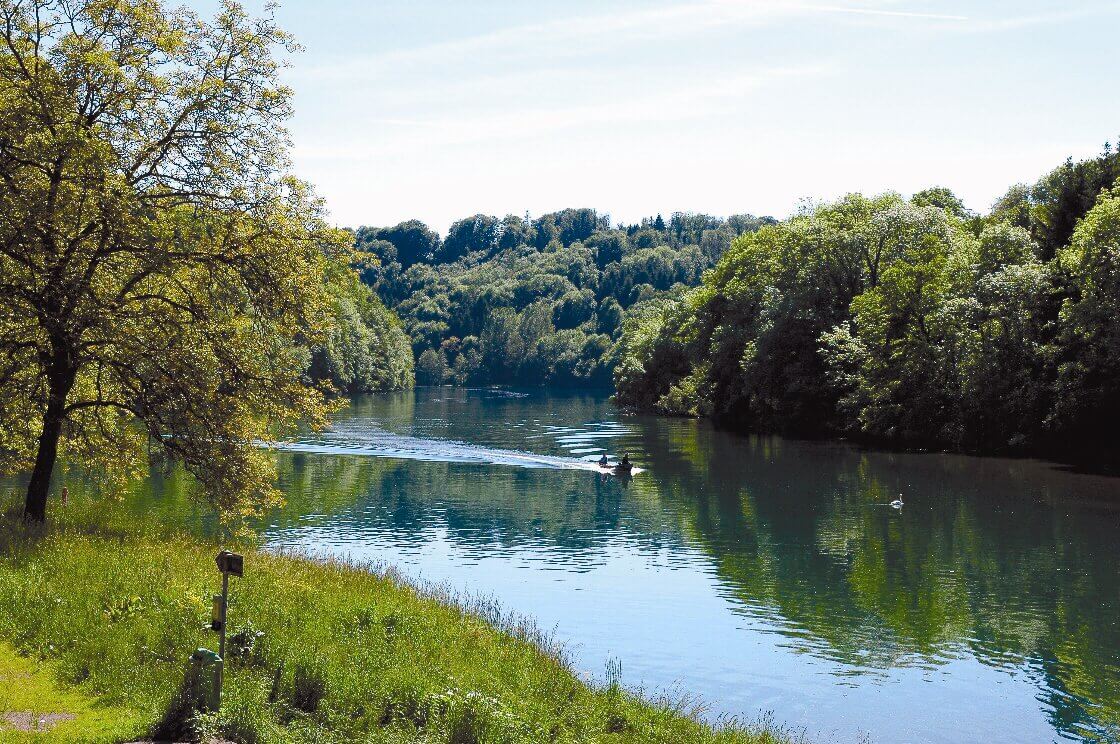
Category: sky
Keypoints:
(439, 110)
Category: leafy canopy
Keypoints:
(910, 321)
(161, 273)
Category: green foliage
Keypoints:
(474, 234)
(911, 322)
(366, 350)
(1051, 208)
(412, 241)
(750, 331)
(1089, 374)
(532, 302)
(651, 357)
(431, 367)
(942, 198)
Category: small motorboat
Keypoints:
(625, 467)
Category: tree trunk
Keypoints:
(35, 507)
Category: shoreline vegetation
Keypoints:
(906, 323)
(320, 650)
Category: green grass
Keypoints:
(109, 612)
(30, 687)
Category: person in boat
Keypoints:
(603, 461)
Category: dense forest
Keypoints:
(913, 321)
(366, 349)
(535, 301)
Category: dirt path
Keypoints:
(28, 721)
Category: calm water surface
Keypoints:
(761, 574)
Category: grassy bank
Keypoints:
(325, 651)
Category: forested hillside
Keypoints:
(535, 301)
(909, 321)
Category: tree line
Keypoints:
(909, 321)
(525, 301)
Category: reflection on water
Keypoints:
(763, 574)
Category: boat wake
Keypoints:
(375, 442)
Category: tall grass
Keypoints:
(320, 650)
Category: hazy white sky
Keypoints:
(438, 110)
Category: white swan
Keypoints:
(897, 503)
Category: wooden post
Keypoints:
(225, 606)
(228, 563)
(222, 643)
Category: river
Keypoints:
(760, 575)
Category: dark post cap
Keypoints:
(231, 563)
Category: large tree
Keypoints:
(160, 270)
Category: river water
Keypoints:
(759, 574)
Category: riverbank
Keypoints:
(326, 651)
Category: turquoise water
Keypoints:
(762, 575)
